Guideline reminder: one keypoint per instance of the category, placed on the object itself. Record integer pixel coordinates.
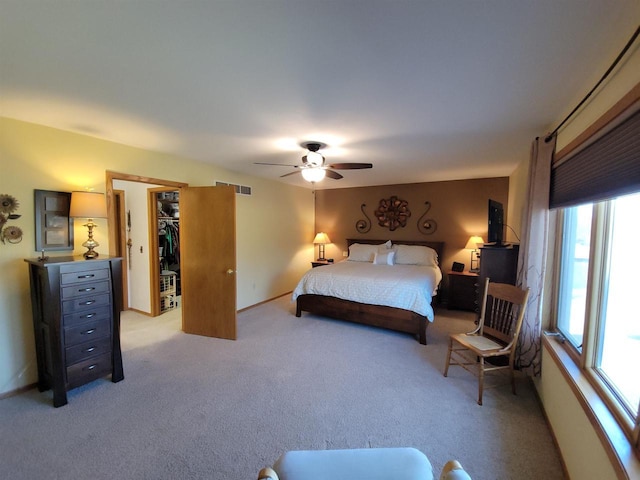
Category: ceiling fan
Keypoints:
(314, 168)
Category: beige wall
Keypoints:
(273, 226)
(584, 455)
(459, 208)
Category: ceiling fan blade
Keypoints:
(290, 173)
(277, 164)
(334, 175)
(350, 166)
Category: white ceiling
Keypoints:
(424, 90)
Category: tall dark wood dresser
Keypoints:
(76, 307)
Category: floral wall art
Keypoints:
(9, 233)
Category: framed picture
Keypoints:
(54, 227)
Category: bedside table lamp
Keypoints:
(88, 205)
(321, 240)
(473, 245)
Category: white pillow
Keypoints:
(415, 255)
(384, 258)
(359, 252)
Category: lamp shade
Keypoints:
(474, 243)
(321, 239)
(313, 174)
(88, 205)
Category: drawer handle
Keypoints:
(88, 315)
(91, 367)
(90, 349)
(88, 302)
(91, 275)
(88, 289)
(89, 332)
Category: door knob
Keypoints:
(230, 271)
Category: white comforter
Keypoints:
(409, 287)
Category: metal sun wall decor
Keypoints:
(427, 226)
(392, 213)
(9, 233)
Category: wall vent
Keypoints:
(240, 189)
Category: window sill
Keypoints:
(616, 444)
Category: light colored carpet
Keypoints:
(196, 407)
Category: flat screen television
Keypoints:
(495, 228)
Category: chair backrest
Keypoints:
(502, 311)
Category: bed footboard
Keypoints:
(375, 315)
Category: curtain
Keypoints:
(533, 253)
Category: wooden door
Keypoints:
(208, 261)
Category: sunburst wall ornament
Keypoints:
(10, 233)
(392, 213)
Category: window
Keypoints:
(572, 299)
(597, 308)
(617, 347)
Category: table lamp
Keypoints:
(88, 205)
(320, 240)
(473, 244)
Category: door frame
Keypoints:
(112, 225)
(121, 242)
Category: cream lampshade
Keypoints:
(88, 205)
(474, 243)
(321, 240)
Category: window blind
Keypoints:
(607, 168)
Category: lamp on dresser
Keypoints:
(321, 240)
(473, 244)
(88, 205)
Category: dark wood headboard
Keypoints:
(437, 246)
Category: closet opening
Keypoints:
(168, 215)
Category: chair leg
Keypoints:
(446, 366)
(480, 379)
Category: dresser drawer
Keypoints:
(84, 277)
(88, 370)
(84, 303)
(82, 290)
(86, 332)
(87, 315)
(88, 350)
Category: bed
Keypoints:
(388, 299)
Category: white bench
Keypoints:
(358, 464)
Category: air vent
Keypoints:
(240, 189)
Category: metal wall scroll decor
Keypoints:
(9, 233)
(427, 226)
(362, 225)
(392, 213)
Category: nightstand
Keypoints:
(462, 291)
(319, 263)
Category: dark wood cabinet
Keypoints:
(462, 291)
(76, 307)
(500, 264)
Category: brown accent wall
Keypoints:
(459, 207)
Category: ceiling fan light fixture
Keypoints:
(313, 174)
(315, 159)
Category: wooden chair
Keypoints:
(497, 333)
